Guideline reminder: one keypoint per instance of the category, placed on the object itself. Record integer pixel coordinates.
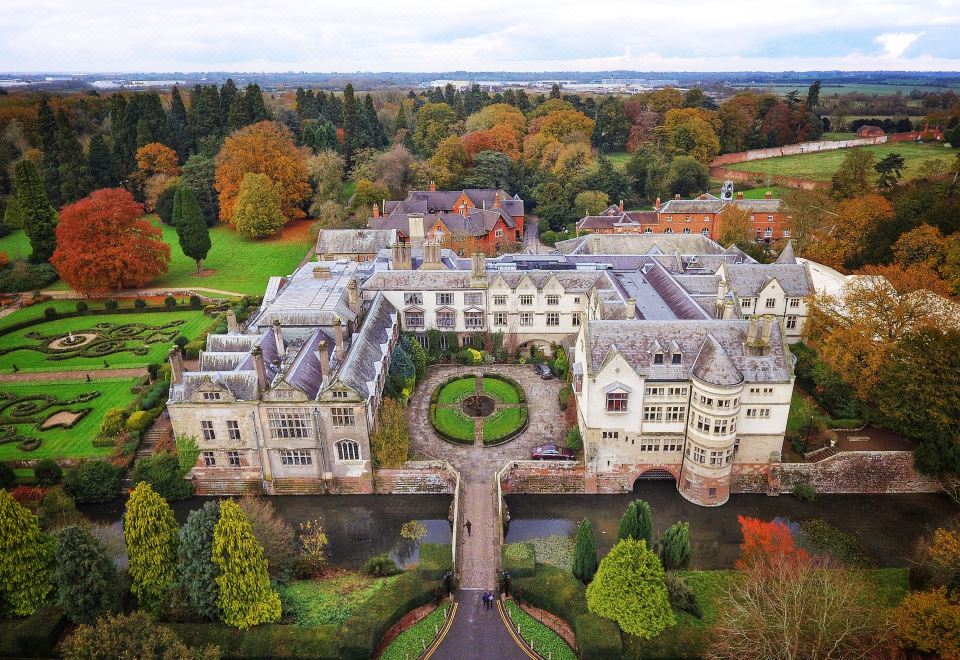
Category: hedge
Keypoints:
(509, 381)
(361, 633)
(266, 641)
(510, 435)
(435, 559)
(139, 421)
(34, 636)
(518, 559)
(5, 330)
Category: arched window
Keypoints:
(686, 230)
(668, 231)
(348, 450)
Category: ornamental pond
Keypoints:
(888, 525)
(358, 526)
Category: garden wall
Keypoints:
(859, 472)
(416, 478)
(728, 174)
(542, 477)
(794, 150)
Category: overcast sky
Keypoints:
(491, 35)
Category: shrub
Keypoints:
(805, 492)
(57, 509)
(22, 275)
(673, 547)
(180, 341)
(113, 423)
(50, 313)
(170, 303)
(265, 641)
(82, 306)
(564, 396)
(435, 559)
(7, 476)
(47, 473)
(383, 566)
(140, 304)
(682, 597)
(574, 440)
(518, 559)
(585, 553)
(162, 471)
(34, 636)
(195, 302)
(134, 635)
(139, 421)
(153, 369)
(93, 481)
(111, 304)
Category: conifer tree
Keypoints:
(123, 126)
(238, 117)
(151, 532)
(13, 214)
(375, 135)
(246, 598)
(674, 547)
(152, 125)
(256, 110)
(585, 553)
(351, 125)
(39, 218)
(46, 127)
(334, 110)
(179, 126)
(198, 573)
(228, 93)
(100, 163)
(636, 523)
(199, 174)
(86, 579)
(75, 181)
(191, 226)
(401, 121)
(25, 555)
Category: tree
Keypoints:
(434, 122)
(629, 589)
(367, 193)
(929, 622)
(263, 148)
(198, 572)
(156, 158)
(584, 553)
(104, 245)
(417, 355)
(765, 543)
(74, 175)
(100, 163)
(163, 473)
(673, 548)
(199, 175)
(613, 127)
(402, 374)
(272, 532)
(179, 126)
(39, 218)
(686, 176)
(246, 598)
(691, 132)
(735, 227)
(319, 135)
(191, 226)
(491, 169)
(889, 171)
(590, 202)
(609, 180)
(85, 577)
(449, 162)
(326, 174)
(852, 178)
(351, 125)
(25, 557)
(853, 221)
(813, 96)
(151, 534)
(93, 482)
(923, 245)
(811, 214)
(258, 211)
(390, 440)
(133, 635)
(636, 522)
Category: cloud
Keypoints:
(895, 43)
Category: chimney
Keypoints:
(321, 272)
(278, 336)
(676, 196)
(496, 200)
(415, 222)
(260, 368)
(478, 265)
(739, 194)
(752, 333)
(176, 366)
(631, 310)
(433, 187)
(353, 296)
(324, 360)
(656, 205)
(728, 311)
(767, 329)
(595, 244)
(232, 325)
(376, 211)
(400, 257)
(338, 336)
(621, 206)
(768, 195)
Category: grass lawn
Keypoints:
(544, 641)
(330, 600)
(410, 643)
(619, 159)
(455, 424)
(821, 166)
(16, 245)
(151, 339)
(501, 390)
(456, 389)
(76, 442)
(62, 306)
(502, 422)
(760, 193)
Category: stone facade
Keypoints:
(859, 472)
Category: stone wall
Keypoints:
(858, 472)
(416, 478)
(543, 477)
(794, 150)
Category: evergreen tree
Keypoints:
(191, 226)
(39, 218)
(376, 137)
(13, 214)
(246, 598)
(25, 556)
(585, 553)
(256, 110)
(85, 577)
(205, 112)
(401, 121)
(335, 109)
(199, 174)
(608, 179)
(100, 163)
(152, 125)
(555, 91)
(636, 522)
(179, 126)
(124, 137)
(198, 573)
(228, 94)
(75, 180)
(351, 126)
(150, 532)
(674, 547)
(239, 116)
(46, 127)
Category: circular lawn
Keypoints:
(459, 413)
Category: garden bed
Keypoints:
(507, 415)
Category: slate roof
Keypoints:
(305, 373)
(726, 356)
(305, 300)
(787, 255)
(368, 348)
(413, 280)
(747, 280)
(639, 244)
(354, 241)
(613, 217)
(712, 204)
(477, 222)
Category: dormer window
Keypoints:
(676, 359)
(211, 396)
(658, 358)
(340, 394)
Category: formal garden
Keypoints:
(492, 408)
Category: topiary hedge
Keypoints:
(518, 559)
(265, 641)
(435, 559)
(139, 421)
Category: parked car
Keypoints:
(551, 452)
(543, 370)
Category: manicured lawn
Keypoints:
(454, 423)
(410, 643)
(544, 641)
(149, 340)
(760, 193)
(62, 306)
(500, 390)
(76, 442)
(456, 389)
(502, 422)
(821, 166)
(16, 245)
(330, 600)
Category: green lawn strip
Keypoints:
(821, 165)
(454, 423)
(25, 476)
(76, 442)
(501, 390)
(194, 322)
(16, 245)
(329, 600)
(455, 390)
(412, 641)
(499, 425)
(37, 311)
(542, 639)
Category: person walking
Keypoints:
(486, 600)
(469, 526)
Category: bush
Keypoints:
(518, 559)
(82, 306)
(50, 313)
(24, 276)
(195, 302)
(57, 509)
(170, 303)
(7, 476)
(266, 641)
(682, 597)
(822, 537)
(34, 636)
(140, 304)
(162, 471)
(192, 349)
(805, 492)
(47, 473)
(93, 481)
(435, 559)
(564, 396)
(139, 421)
(382, 565)
(574, 440)
(111, 304)
(597, 638)
(113, 423)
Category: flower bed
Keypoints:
(544, 641)
(412, 641)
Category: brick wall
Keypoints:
(794, 149)
(416, 478)
(859, 472)
(540, 477)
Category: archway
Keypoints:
(653, 475)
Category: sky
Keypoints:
(491, 35)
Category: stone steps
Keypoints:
(821, 454)
(228, 487)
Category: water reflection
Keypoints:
(889, 525)
(358, 526)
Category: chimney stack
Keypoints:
(232, 325)
(260, 368)
(496, 200)
(376, 211)
(353, 296)
(728, 311)
(176, 366)
(752, 332)
(324, 360)
(595, 243)
(631, 311)
(433, 186)
(676, 196)
(768, 195)
(621, 206)
(767, 330)
(739, 194)
(278, 337)
(656, 205)
(338, 336)
(400, 257)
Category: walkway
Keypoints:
(80, 374)
(477, 633)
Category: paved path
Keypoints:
(95, 375)
(477, 633)
(478, 561)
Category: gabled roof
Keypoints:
(354, 241)
(367, 352)
(748, 280)
(787, 255)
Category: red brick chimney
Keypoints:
(676, 196)
(739, 194)
(376, 211)
(433, 186)
(496, 200)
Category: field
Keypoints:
(75, 442)
(619, 159)
(821, 166)
(130, 340)
(851, 88)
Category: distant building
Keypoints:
(870, 131)
(353, 244)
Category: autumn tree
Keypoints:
(104, 245)
(852, 178)
(264, 148)
(272, 532)
(258, 211)
(692, 132)
(449, 162)
(929, 622)
(86, 579)
(766, 542)
(844, 238)
(25, 558)
(629, 589)
(156, 158)
(811, 215)
(150, 532)
(390, 440)
(923, 245)
(246, 598)
(735, 227)
(434, 124)
(584, 553)
(198, 573)
(191, 226)
(326, 170)
(38, 217)
(367, 193)
(590, 202)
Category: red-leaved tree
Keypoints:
(766, 543)
(103, 244)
